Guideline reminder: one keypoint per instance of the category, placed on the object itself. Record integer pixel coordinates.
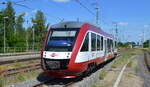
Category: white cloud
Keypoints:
(61, 0)
(34, 11)
(123, 23)
(146, 26)
(26, 13)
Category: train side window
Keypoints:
(102, 39)
(109, 45)
(113, 44)
(85, 46)
(93, 43)
(98, 43)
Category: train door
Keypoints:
(83, 55)
(92, 46)
(102, 46)
(98, 54)
(105, 48)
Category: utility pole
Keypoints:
(33, 37)
(77, 19)
(116, 31)
(5, 34)
(149, 39)
(97, 15)
(143, 38)
(148, 31)
(27, 44)
(149, 42)
(33, 40)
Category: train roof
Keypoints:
(74, 24)
(71, 24)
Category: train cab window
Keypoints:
(85, 45)
(102, 40)
(98, 43)
(61, 40)
(93, 41)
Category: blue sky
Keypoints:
(131, 15)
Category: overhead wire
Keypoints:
(81, 4)
(16, 3)
(21, 1)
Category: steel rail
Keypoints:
(18, 60)
(17, 54)
(13, 71)
(147, 61)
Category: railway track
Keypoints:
(18, 54)
(68, 82)
(13, 71)
(18, 60)
(147, 59)
(57, 81)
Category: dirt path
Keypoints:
(130, 77)
(143, 71)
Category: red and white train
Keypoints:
(72, 48)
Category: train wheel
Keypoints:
(90, 68)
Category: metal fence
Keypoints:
(19, 49)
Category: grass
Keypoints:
(117, 64)
(18, 64)
(2, 68)
(20, 77)
(94, 85)
(136, 69)
(130, 75)
(102, 75)
(2, 81)
(130, 64)
(123, 59)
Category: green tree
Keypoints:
(40, 27)
(10, 22)
(1, 28)
(20, 31)
(146, 43)
(29, 36)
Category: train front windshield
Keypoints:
(61, 40)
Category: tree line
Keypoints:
(16, 34)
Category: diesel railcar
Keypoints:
(72, 48)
